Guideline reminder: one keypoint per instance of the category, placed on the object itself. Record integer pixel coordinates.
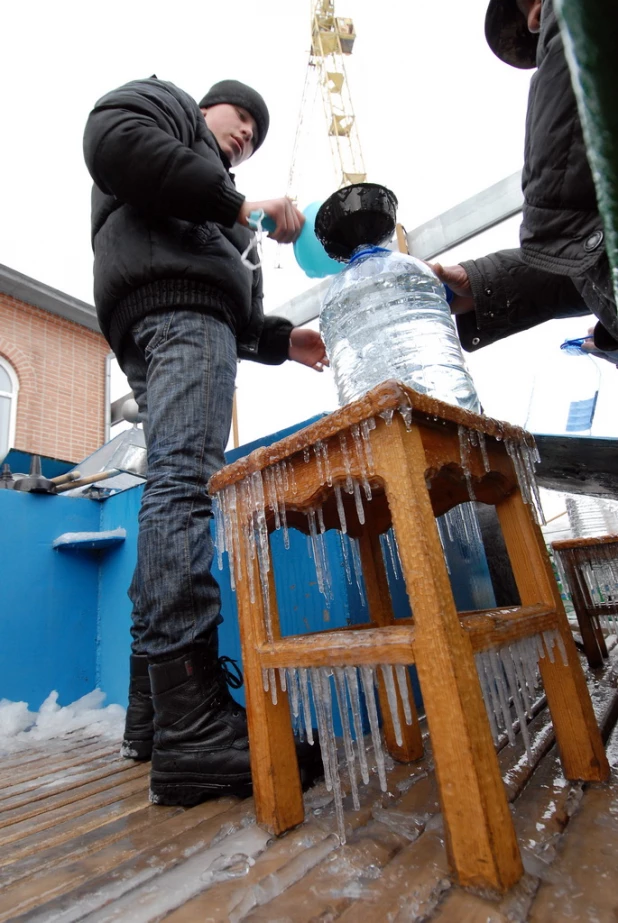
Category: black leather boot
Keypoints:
(139, 726)
(201, 748)
(201, 745)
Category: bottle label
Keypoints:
(581, 414)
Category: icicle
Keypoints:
(367, 679)
(292, 476)
(549, 639)
(480, 669)
(507, 665)
(327, 469)
(318, 704)
(320, 515)
(528, 461)
(263, 548)
(340, 510)
(402, 682)
(520, 473)
(280, 493)
(292, 684)
(286, 477)
(512, 652)
(265, 679)
(271, 493)
(219, 530)
(306, 455)
(282, 681)
(483, 448)
(360, 458)
(406, 412)
(248, 534)
(387, 416)
(317, 449)
(528, 650)
(358, 569)
(464, 456)
(498, 675)
(317, 557)
(324, 678)
(346, 557)
(562, 649)
(272, 682)
(354, 694)
(490, 687)
(304, 696)
(349, 484)
(366, 428)
(347, 734)
(228, 510)
(391, 695)
(393, 552)
(358, 500)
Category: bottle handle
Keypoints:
(260, 215)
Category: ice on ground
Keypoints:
(21, 728)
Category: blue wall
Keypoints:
(65, 615)
(48, 599)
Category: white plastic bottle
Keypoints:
(565, 392)
(386, 316)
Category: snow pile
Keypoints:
(21, 728)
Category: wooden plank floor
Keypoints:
(80, 841)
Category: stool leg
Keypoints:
(274, 768)
(586, 627)
(381, 613)
(480, 835)
(577, 733)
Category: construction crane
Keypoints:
(332, 39)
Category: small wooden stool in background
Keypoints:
(581, 560)
(420, 458)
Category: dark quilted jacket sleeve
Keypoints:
(511, 296)
(138, 147)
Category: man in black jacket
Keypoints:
(178, 301)
(561, 268)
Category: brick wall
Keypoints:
(61, 370)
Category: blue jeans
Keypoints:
(181, 366)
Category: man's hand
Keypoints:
(288, 219)
(457, 280)
(589, 347)
(307, 347)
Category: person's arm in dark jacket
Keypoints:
(138, 147)
(511, 296)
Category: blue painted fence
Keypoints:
(65, 614)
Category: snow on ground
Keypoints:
(21, 728)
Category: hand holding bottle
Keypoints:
(287, 218)
(456, 278)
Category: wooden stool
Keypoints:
(421, 457)
(577, 558)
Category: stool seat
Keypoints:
(397, 459)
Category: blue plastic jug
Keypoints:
(309, 252)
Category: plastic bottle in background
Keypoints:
(565, 392)
(386, 316)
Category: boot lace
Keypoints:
(231, 672)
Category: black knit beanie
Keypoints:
(239, 94)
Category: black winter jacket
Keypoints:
(561, 268)
(164, 229)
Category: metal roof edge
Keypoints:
(40, 295)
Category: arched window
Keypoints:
(9, 387)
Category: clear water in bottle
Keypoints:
(386, 316)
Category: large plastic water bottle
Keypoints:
(386, 316)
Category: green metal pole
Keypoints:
(589, 29)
